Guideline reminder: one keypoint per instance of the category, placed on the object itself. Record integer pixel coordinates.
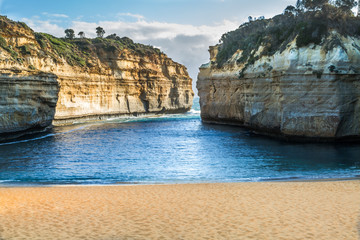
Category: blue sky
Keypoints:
(183, 29)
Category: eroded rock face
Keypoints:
(135, 85)
(36, 80)
(27, 102)
(299, 93)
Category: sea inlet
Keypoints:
(167, 149)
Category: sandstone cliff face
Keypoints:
(27, 102)
(300, 92)
(38, 73)
(134, 85)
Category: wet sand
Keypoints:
(276, 210)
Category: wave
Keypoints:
(28, 140)
(41, 137)
(160, 117)
(193, 111)
(8, 180)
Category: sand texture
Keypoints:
(286, 210)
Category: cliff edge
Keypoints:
(294, 76)
(81, 79)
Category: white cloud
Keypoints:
(136, 16)
(44, 26)
(145, 30)
(56, 15)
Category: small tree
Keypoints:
(290, 10)
(113, 36)
(300, 5)
(345, 5)
(69, 33)
(100, 32)
(250, 18)
(81, 34)
(314, 4)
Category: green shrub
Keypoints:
(24, 25)
(41, 40)
(3, 42)
(318, 73)
(9, 49)
(25, 50)
(332, 68)
(31, 67)
(110, 48)
(334, 42)
(312, 32)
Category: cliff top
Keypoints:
(310, 22)
(81, 52)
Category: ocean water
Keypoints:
(167, 149)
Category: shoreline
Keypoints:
(40, 185)
(95, 118)
(274, 134)
(247, 210)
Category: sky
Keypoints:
(183, 29)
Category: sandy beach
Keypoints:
(276, 210)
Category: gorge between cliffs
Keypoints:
(45, 80)
(102, 136)
(107, 110)
(293, 76)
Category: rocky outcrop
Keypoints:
(134, 85)
(27, 102)
(83, 79)
(300, 92)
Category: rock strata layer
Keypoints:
(82, 79)
(135, 85)
(299, 93)
(27, 102)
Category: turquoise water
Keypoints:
(167, 149)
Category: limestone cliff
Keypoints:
(27, 101)
(97, 78)
(301, 92)
(134, 85)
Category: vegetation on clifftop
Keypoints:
(81, 52)
(310, 22)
